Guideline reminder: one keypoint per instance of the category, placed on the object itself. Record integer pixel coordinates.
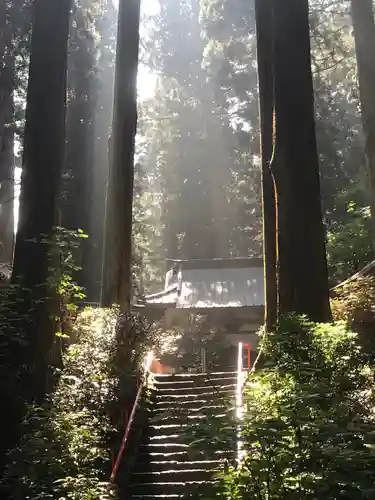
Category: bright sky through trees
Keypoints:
(146, 80)
(146, 88)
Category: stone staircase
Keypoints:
(178, 456)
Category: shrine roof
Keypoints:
(200, 284)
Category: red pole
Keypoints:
(126, 434)
(126, 420)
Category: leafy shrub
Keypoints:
(65, 451)
(308, 430)
(67, 244)
(354, 303)
(17, 340)
(349, 243)
(13, 348)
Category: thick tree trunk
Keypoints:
(40, 183)
(116, 287)
(102, 126)
(6, 173)
(99, 183)
(279, 168)
(264, 23)
(80, 130)
(364, 34)
(296, 150)
(6, 137)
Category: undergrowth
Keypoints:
(308, 430)
(65, 451)
(18, 339)
(354, 303)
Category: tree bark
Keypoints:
(6, 137)
(102, 125)
(296, 150)
(279, 168)
(116, 286)
(80, 139)
(364, 35)
(7, 177)
(264, 24)
(40, 183)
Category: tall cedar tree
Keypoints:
(116, 286)
(364, 34)
(80, 122)
(40, 183)
(6, 133)
(264, 31)
(193, 132)
(303, 267)
(106, 26)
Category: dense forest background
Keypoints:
(197, 152)
(199, 136)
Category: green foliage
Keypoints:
(64, 451)
(70, 294)
(13, 358)
(308, 425)
(354, 303)
(17, 363)
(349, 243)
(66, 443)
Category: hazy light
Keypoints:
(146, 83)
(148, 7)
(146, 79)
(146, 90)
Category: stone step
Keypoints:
(202, 406)
(177, 427)
(182, 389)
(192, 453)
(180, 383)
(180, 454)
(168, 465)
(190, 436)
(189, 376)
(166, 429)
(172, 476)
(172, 496)
(145, 462)
(171, 381)
(162, 448)
(159, 419)
(171, 430)
(166, 438)
(204, 414)
(189, 414)
(209, 395)
(161, 497)
(169, 488)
